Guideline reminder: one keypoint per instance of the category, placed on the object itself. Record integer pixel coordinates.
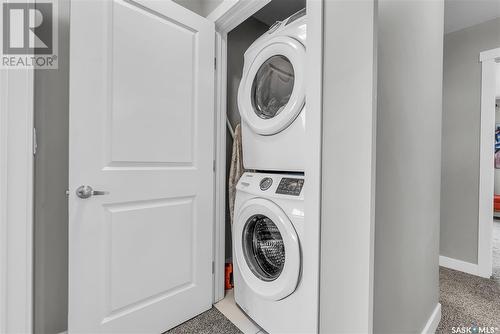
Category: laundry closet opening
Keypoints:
(265, 132)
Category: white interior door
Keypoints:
(142, 131)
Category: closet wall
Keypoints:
(238, 41)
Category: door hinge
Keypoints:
(213, 165)
(213, 267)
(35, 144)
(215, 63)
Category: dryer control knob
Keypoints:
(266, 183)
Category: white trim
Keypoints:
(232, 14)
(433, 322)
(3, 199)
(16, 201)
(220, 162)
(489, 55)
(486, 161)
(314, 138)
(220, 10)
(466, 267)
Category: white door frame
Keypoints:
(16, 200)
(228, 16)
(488, 61)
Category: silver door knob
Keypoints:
(87, 192)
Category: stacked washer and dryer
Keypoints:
(269, 207)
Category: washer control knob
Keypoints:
(266, 183)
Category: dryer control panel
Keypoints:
(290, 186)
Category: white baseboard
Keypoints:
(433, 322)
(466, 267)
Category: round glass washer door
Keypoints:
(272, 91)
(263, 247)
(267, 249)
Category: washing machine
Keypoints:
(268, 252)
(271, 98)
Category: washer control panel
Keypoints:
(290, 186)
(266, 183)
(278, 186)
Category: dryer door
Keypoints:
(267, 249)
(272, 92)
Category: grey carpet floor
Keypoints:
(209, 322)
(467, 300)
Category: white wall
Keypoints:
(349, 80)
(396, 56)
(461, 126)
(407, 211)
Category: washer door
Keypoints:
(267, 249)
(271, 92)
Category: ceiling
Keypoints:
(459, 14)
(278, 10)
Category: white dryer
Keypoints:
(271, 98)
(267, 253)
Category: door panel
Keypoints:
(141, 129)
(168, 241)
(143, 94)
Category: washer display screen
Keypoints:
(290, 186)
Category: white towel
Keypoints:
(236, 169)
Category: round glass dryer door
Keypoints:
(272, 90)
(266, 248)
(272, 86)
